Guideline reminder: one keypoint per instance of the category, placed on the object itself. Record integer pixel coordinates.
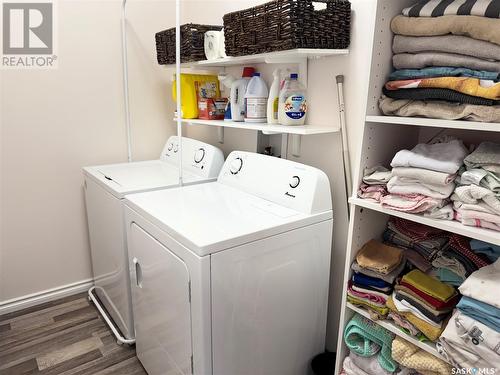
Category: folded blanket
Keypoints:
(475, 27)
(375, 192)
(367, 338)
(437, 59)
(411, 203)
(369, 365)
(379, 257)
(410, 355)
(482, 283)
(443, 213)
(429, 285)
(388, 277)
(443, 71)
(468, 343)
(485, 155)
(419, 309)
(455, 44)
(425, 176)
(444, 157)
(410, 186)
(473, 195)
(474, 220)
(438, 94)
(482, 312)
(380, 310)
(378, 175)
(464, 85)
(481, 177)
(430, 331)
(363, 280)
(489, 250)
(433, 8)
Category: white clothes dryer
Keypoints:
(231, 277)
(105, 187)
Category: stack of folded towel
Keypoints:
(376, 268)
(423, 178)
(472, 336)
(424, 301)
(476, 199)
(447, 61)
(374, 185)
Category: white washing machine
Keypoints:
(105, 188)
(232, 277)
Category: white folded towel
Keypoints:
(444, 157)
(424, 175)
(473, 194)
(481, 283)
(405, 186)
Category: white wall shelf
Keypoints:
(486, 235)
(436, 123)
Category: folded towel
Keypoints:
(482, 284)
(423, 60)
(429, 285)
(456, 44)
(482, 312)
(489, 250)
(410, 186)
(419, 308)
(367, 338)
(447, 260)
(438, 94)
(370, 290)
(431, 303)
(443, 71)
(411, 203)
(378, 175)
(410, 355)
(475, 27)
(449, 277)
(444, 157)
(468, 343)
(388, 277)
(416, 260)
(433, 8)
(363, 280)
(477, 222)
(375, 299)
(473, 194)
(379, 257)
(425, 176)
(481, 177)
(486, 154)
(443, 213)
(380, 310)
(403, 324)
(461, 245)
(384, 290)
(404, 307)
(375, 192)
(369, 365)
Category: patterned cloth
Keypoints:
(433, 8)
(409, 355)
(461, 245)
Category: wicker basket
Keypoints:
(287, 24)
(192, 39)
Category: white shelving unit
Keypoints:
(383, 136)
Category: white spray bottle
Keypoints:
(272, 101)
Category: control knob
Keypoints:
(236, 165)
(199, 155)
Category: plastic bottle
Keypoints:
(227, 81)
(272, 101)
(238, 90)
(256, 99)
(292, 102)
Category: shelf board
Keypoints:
(486, 235)
(436, 123)
(279, 57)
(282, 129)
(428, 346)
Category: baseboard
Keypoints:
(48, 295)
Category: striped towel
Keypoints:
(437, 8)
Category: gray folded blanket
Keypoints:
(457, 44)
(424, 59)
(439, 109)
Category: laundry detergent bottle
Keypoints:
(238, 91)
(272, 101)
(292, 102)
(256, 99)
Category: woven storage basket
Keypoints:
(287, 24)
(192, 39)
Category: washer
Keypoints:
(105, 188)
(232, 277)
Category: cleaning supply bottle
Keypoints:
(292, 102)
(272, 101)
(227, 81)
(238, 90)
(256, 99)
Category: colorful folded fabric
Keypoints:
(375, 192)
(482, 312)
(410, 355)
(483, 284)
(367, 338)
(433, 315)
(430, 331)
(374, 299)
(461, 245)
(379, 257)
(472, 26)
(434, 302)
(404, 307)
(429, 285)
(424, 302)
(380, 310)
(433, 8)
(363, 280)
(443, 71)
(437, 94)
(492, 252)
(389, 277)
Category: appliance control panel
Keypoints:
(297, 186)
(198, 157)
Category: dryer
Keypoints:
(105, 188)
(232, 277)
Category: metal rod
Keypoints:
(343, 132)
(125, 81)
(178, 82)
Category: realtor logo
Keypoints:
(28, 35)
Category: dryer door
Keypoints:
(161, 303)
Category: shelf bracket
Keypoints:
(220, 134)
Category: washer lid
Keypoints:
(126, 178)
(208, 218)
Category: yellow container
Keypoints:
(193, 87)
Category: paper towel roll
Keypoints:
(212, 44)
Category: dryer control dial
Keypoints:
(170, 146)
(199, 155)
(294, 182)
(176, 147)
(236, 165)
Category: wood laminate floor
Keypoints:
(66, 337)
